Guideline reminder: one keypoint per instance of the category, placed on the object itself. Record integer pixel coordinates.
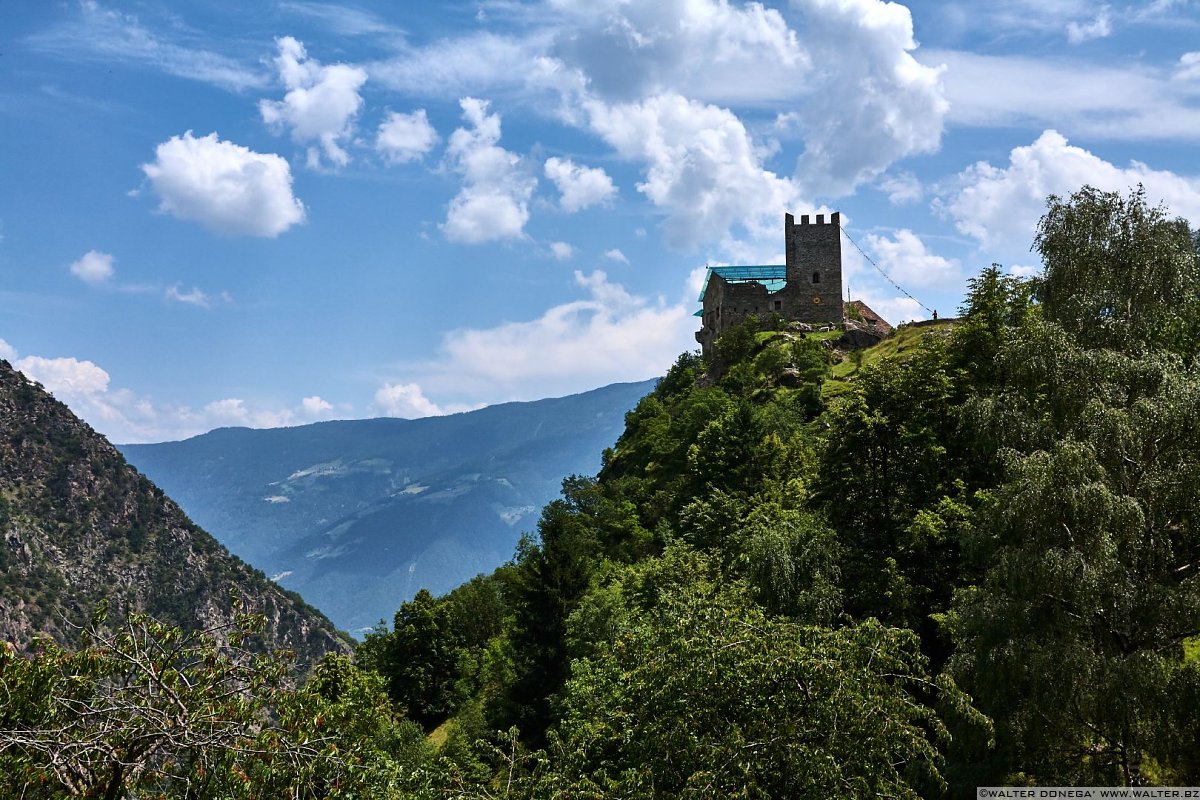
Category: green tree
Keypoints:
(1090, 562)
(1119, 273)
(421, 660)
(551, 576)
(146, 710)
(698, 693)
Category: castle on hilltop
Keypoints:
(807, 289)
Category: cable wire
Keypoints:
(899, 288)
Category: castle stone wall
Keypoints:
(814, 266)
(812, 294)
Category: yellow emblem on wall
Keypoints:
(816, 301)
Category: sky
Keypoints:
(273, 213)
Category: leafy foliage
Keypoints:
(147, 710)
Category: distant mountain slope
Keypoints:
(358, 515)
(78, 524)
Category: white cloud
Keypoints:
(610, 336)
(1024, 271)
(405, 400)
(123, 416)
(561, 250)
(1079, 97)
(906, 259)
(1099, 27)
(1000, 207)
(315, 407)
(405, 137)
(580, 187)
(493, 203)
(475, 63)
(902, 188)
(897, 309)
(343, 20)
(225, 187)
(65, 376)
(722, 52)
(703, 167)
(196, 297)
(1189, 67)
(103, 35)
(234, 411)
(616, 255)
(93, 267)
(320, 105)
(874, 103)
(676, 85)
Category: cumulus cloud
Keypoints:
(616, 255)
(580, 187)
(235, 411)
(704, 169)
(561, 250)
(724, 52)
(84, 388)
(124, 416)
(1188, 68)
(225, 187)
(1000, 207)
(232, 411)
(676, 86)
(908, 261)
(321, 103)
(66, 376)
(93, 267)
(1098, 27)
(405, 137)
(493, 203)
(404, 400)
(315, 407)
(610, 335)
(874, 103)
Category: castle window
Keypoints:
(816, 277)
(778, 305)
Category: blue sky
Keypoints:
(274, 213)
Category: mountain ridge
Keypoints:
(409, 504)
(80, 526)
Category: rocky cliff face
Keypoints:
(78, 525)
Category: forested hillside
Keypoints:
(970, 561)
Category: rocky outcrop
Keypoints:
(79, 525)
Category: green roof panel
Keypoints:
(772, 276)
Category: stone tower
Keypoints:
(814, 266)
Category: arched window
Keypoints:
(816, 277)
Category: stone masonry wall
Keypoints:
(814, 250)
